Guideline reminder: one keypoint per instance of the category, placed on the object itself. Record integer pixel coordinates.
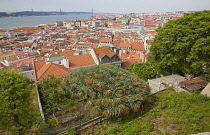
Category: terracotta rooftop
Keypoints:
(43, 70)
(101, 52)
(105, 40)
(25, 29)
(28, 45)
(49, 46)
(7, 53)
(52, 69)
(127, 45)
(130, 55)
(137, 47)
(38, 64)
(81, 61)
(94, 45)
(19, 65)
(32, 53)
(3, 30)
(66, 53)
(24, 61)
(23, 56)
(12, 59)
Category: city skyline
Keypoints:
(105, 6)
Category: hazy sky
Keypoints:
(110, 6)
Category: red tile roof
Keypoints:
(28, 45)
(66, 53)
(23, 56)
(81, 61)
(130, 55)
(101, 52)
(52, 69)
(25, 61)
(105, 40)
(127, 45)
(38, 64)
(12, 59)
(32, 53)
(94, 46)
(3, 30)
(22, 63)
(7, 53)
(49, 47)
(137, 47)
(25, 29)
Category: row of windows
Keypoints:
(107, 59)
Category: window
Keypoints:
(105, 59)
(114, 58)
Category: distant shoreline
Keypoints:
(37, 13)
(34, 21)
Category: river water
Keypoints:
(33, 21)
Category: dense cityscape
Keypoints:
(131, 35)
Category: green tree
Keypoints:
(110, 90)
(144, 70)
(17, 113)
(182, 45)
(52, 97)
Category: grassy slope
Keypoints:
(166, 113)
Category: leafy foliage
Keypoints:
(145, 71)
(172, 113)
(17, 113)
(52, 97)
(182, 45)
(110, 90)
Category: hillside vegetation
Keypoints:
(109, 90)
(90, 92)
(164, 113)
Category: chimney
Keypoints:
(65, 62)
